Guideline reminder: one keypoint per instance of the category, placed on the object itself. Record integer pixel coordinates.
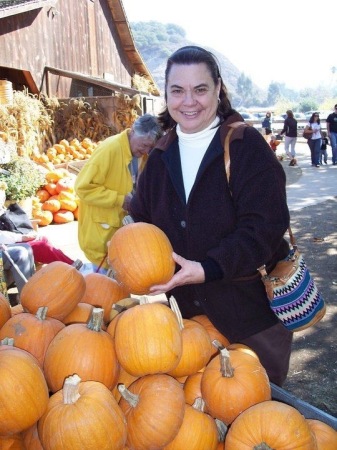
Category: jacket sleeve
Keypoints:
(8, 237)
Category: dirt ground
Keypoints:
(313, 368)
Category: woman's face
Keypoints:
(192, 96)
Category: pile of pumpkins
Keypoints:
(65, 151)
(84, 365)
(56, 201)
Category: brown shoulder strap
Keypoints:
(227, 162)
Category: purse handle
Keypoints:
(227, 161)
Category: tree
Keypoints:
(273, 93)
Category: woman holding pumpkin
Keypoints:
(221, 230)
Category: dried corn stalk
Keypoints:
(141, 83)
(126, 111)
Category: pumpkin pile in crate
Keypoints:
(146, 377)
(56, 201)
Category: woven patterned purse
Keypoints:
(293, 294)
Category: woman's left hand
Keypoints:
(190, 272)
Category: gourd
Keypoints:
(232, 382)
(82, 415)
(154, 410)
(270, 425)
(57, 285)
(140, 255)
(84, 349)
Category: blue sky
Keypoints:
(265, 39)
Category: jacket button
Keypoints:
(196, 303)
(183, 224)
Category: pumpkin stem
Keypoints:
(70, 389)
(222, 429)
(225, 364)
(131, 398)
(96, 319)
(7, 341)
(217, 344)
(175, 308)
(41, 313)
(199, 404)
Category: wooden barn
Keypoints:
(67, 48)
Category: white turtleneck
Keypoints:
(192, 150)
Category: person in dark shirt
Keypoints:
(266, 124)
(324, 146)
(290, 131)
(331, 126)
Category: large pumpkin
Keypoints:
(270, 424)
(58, 285)
(23, 394)
(232, 382)
(140, 254)
(148, 339)
(83, 415)
(154, 409)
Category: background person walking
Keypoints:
(316, 139)
(331, 126)
(290, 131)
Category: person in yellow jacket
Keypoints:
(106, 183)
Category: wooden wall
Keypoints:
(78, 36)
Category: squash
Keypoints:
(270, 424)
(63, 216)
(57, 285)
(83, 415)
(140, 255)
(148, 339)
(84, 349)
(52, 205)
(20, 378)
(44, 217)
(42, 195)
(232, 382)
(154, 410)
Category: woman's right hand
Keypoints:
(190, 272)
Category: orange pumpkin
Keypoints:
(80, 314)
(214, 334)
(32, 333)
(198, 430)
(42, 195)
(102, 291)
(20, 374)
(63, 216)
(326, 436)
(5, 310)
(31, 439)
(192, 387)
(84, 349)
(141, 256)
(232, 382)
(147, 399)
(154, 345)
(51, 188)
(68, 204)
(57, 285)
(14, 442)
(44, 217)
(65, 184)
(52, 205)
(66, 420)
(270, 424)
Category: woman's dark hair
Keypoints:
(192, 54)
(290, 113)
(312, 120)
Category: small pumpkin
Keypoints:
(44, 217)
(326, 436)
(140, 255)
(63, 216)
(5, 310)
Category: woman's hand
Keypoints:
(191, 272)
(29, 236)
